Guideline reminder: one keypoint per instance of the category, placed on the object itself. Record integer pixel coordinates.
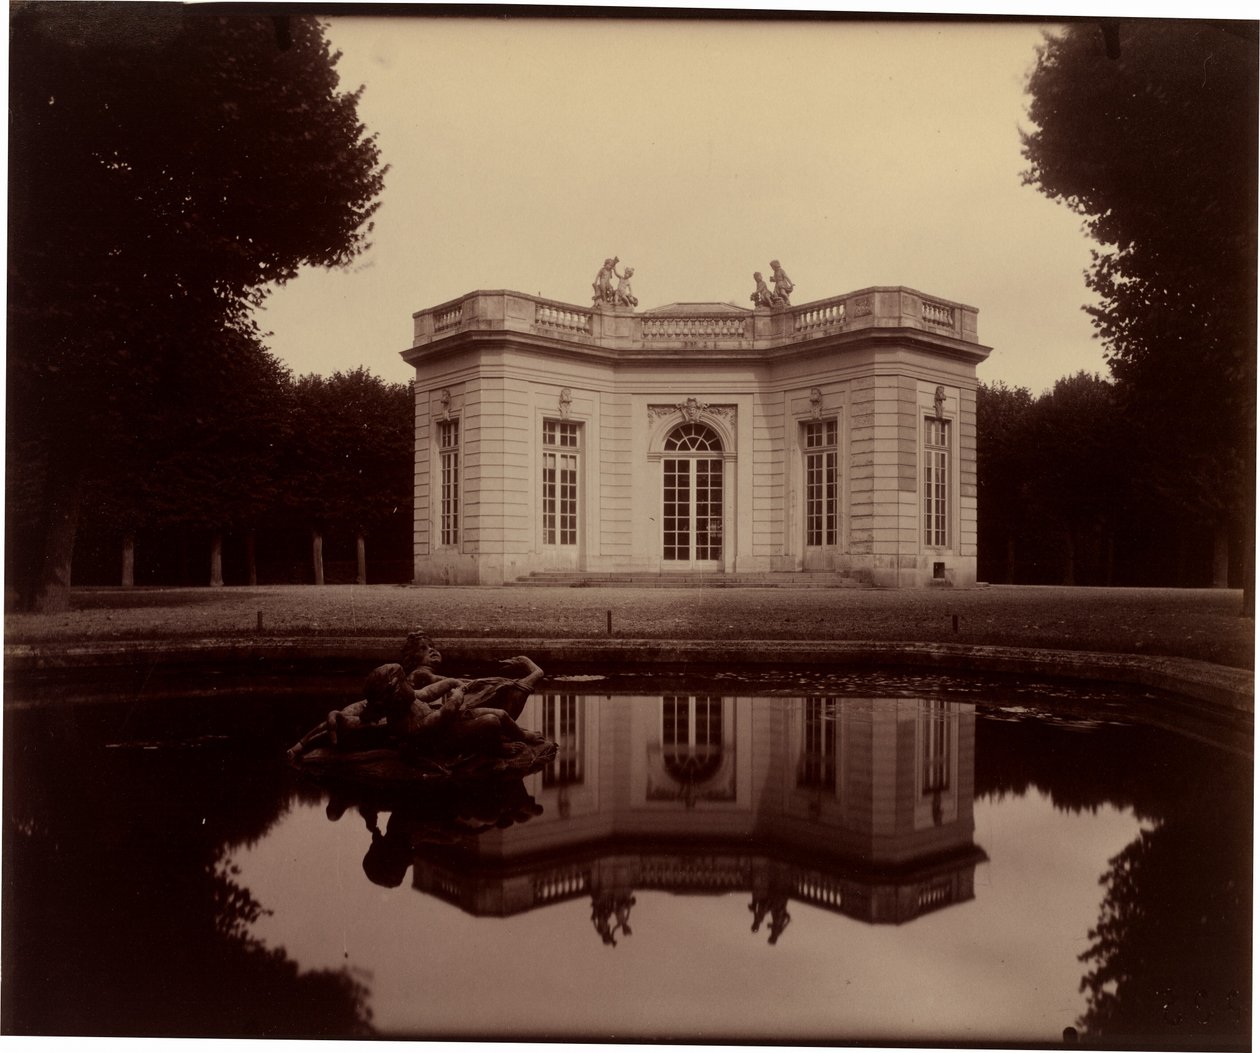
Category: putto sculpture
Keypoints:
(780, 295)
(623, 297)
(605, 295)
(761, 296)
(782, 285)
(602, 284)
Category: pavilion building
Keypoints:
(833, 438)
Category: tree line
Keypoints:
(1068, 495)
(242, 480)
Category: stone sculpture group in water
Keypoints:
(414, 726)
(605, 294)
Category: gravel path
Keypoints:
(1205, 624)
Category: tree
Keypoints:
(1156, 966)
(1080, 484)
(222, 470)
(1006, 472)
(1155, 148)
(166, 166)
(352, 457)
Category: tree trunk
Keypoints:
(360, 546)
(1249, 562)
(1069, 558)
(317, 554)
(63, 490)
(129, 560)
(216, 560)
(251, 558)
(1220, 556)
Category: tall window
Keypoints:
(821, 487)
(818, 750)
(448, 451)
(562, 723)
(691, 735)
(935, 480)
(560, 482)
(692, 498)
(934, 745)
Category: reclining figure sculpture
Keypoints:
(415, 727)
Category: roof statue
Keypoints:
(623, 297)
(761, 296)
(782, 285)
(602, 284)
(605, 294)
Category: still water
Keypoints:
(943, 866)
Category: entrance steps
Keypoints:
(691, 580)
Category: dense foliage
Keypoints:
(166, 166)
(1154, 145)
(1066, 495)
(249, 471)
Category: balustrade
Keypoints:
(449, 318)
(694, 327)
(699, 324)
(936, 314)
(820, 317)
(559, 318)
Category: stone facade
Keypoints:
(834, 437)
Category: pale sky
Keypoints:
(525, 151)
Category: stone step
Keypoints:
(690, 579)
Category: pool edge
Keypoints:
(1221, 686)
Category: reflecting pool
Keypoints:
(936, 866)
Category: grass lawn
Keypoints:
(1205, 624)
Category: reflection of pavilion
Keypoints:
(862, 807)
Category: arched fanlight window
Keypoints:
(693, 436)
(691, 736)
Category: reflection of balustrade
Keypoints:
(819, 317)
(560, 884)
(559, 318)
(935, 895)
(681, 873)
(446, 886)
(694, 328)
(449, 318)
(936, 314)
(818, 890)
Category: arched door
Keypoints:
(691, 498)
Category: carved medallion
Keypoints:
(692, 410)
